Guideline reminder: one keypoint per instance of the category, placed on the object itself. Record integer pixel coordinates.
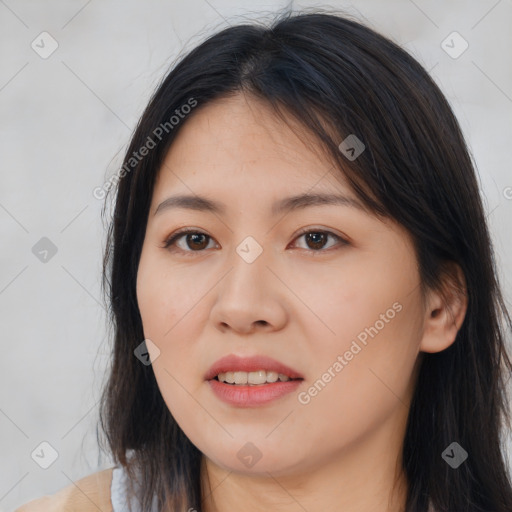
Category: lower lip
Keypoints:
(251, 396)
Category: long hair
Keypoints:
(337, 77)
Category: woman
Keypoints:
(302, 287)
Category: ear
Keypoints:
(445, 310)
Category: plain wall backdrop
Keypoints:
(66, 118)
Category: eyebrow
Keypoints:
(297, 202)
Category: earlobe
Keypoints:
(445, 311)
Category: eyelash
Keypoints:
(171, 240)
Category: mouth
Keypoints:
(257, 378)
(256, 370)
(246, 382)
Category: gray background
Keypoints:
(65, 121)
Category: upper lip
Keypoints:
(233, 363)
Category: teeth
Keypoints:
(252, 378)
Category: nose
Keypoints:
(249, 298)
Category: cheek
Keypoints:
(163, 301)
(372, 319)
(344, 300)
(173, 309)
(164, 296)
(338, 408)
(370, 383)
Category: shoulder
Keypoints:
(89, 494)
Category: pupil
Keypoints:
(194, 236)
(317, 243)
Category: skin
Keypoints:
(300, 303)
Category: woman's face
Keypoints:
(339, 304)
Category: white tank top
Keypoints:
(119, 493)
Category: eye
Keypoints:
(316, 239)
(196, 240)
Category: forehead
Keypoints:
(241, 140)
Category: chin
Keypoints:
(250, 460)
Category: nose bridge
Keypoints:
(248, 273)
(246, 296)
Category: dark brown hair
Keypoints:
(336, 77)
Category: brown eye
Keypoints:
(197, 241)
(316, 240)
(194, 241)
